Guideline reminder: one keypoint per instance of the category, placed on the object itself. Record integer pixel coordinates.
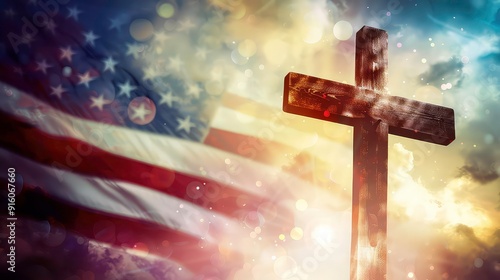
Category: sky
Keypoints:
(443, 201)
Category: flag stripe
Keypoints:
(112, 133)
(262, 150)
(267, 152)
(279, 121)
(326, 155)
(77, 156)
(125, 199)
(172, 153)
(329, 150)
(183, 156)
(187, 251)
(107, 180)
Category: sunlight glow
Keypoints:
(323, 234)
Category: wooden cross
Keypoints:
(373, 115)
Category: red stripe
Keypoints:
(261, 150)
(61, 152)
(269, 152)
(192, 253)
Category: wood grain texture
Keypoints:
(369, 201)
(371, 133)
(374, 115)
(341, 103)
(371, 58)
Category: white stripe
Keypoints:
(282, 129)
(124, 199)
(275, 130)
(180, 155)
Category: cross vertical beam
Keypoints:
(373, 115)
(369, 194)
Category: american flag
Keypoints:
(126, 136)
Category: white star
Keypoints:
(109, 64)
(175, 64)
(193, 90)
(217, 75)
(167, 98)
(186, 25)
(85, 79)
(90, 37)
(134, 49)
(66, 53)
(185, 124)
(126, 88)
(149, 73)
(74, 12)
(51, 26)
(140, 112)
(42, 66)
(160, 37)
(116, 23)
(99, 102)
(201, 53)
(57, 91)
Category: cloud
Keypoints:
(412, 200)
(433, 15)
(465, 256)
(444, 72)
(456, 237)
(481, 135)
(468, 233)
(481, 166)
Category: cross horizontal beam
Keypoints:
(342, 103)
